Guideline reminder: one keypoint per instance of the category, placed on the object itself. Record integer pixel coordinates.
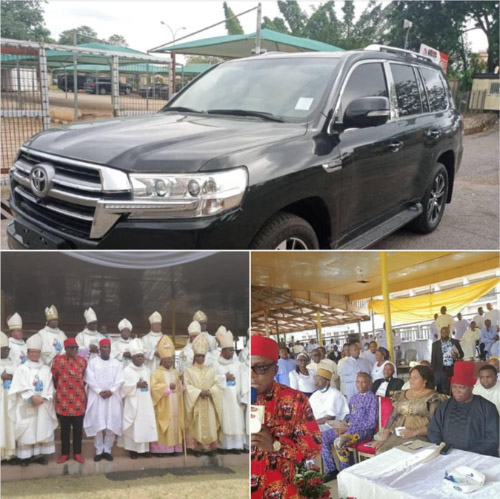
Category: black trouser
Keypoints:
(441, 379)
(66, 423)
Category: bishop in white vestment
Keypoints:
(120, 348)
(7, 368)
(31, 406)
(228, 369)
(139, 423)
(150, 342)
(52, 337)
(18, 350)
(88, 340)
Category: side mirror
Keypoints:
(366, 112)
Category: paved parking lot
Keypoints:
(471, 221)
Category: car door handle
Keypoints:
(434, 134)
(396, 146)
(333, 166)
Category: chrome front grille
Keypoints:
(76, 188)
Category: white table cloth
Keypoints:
(386, 477)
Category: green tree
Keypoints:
(23, 20)
(485, 15)
(84, 34)
(295, 19)
(323, 25)
(233, 26)
(118, 40)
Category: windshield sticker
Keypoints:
(304, 103)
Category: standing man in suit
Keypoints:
(445, 352)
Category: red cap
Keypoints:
(262, 346)
(463, 374)
(105, 341)
(70, 342)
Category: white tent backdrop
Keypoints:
(139, 259)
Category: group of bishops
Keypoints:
(130, 388)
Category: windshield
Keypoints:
(288, 88)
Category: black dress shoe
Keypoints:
(107, 456)
(14, 461)
(98, 457)
(212, 453)
(146, 454)
(41, 460)
(24, 462)
(196, 453)
(133, 455)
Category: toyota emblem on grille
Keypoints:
(41, 179)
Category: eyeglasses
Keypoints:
(262, 368)
(72, 347)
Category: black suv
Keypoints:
(102, 86)
(278, 151)
(65, 83)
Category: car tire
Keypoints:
(286, 231)
(102, 91)
(433, 202)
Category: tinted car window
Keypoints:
(406, 90)
(367, 80)
(436, 93)
(292, 88)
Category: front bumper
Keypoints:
(229, 231)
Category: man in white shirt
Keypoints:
(469, 340)
(479, 318)
(488, 386)
(492, 315)
(461, 326)
(445, 320)
(104, 417)
(349, 370)
(327, 404)
(369, 354)
(434, 329)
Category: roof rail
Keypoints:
(398, 51)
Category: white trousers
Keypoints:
(103, 441)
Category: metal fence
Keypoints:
(472, 102)
(45, 85)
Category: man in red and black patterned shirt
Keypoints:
(71, 399)
(289, 435)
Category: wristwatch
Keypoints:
(276, 446)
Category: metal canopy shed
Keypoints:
(289, 289)
(234, 46)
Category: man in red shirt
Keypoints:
(71, 399)
(289, 434)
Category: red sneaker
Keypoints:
(78, 458)
(62, 459)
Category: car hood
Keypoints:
(164, 142)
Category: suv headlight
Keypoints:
(187, 195)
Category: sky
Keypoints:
(140, 21)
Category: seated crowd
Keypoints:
(442, 401)
(126, 388)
